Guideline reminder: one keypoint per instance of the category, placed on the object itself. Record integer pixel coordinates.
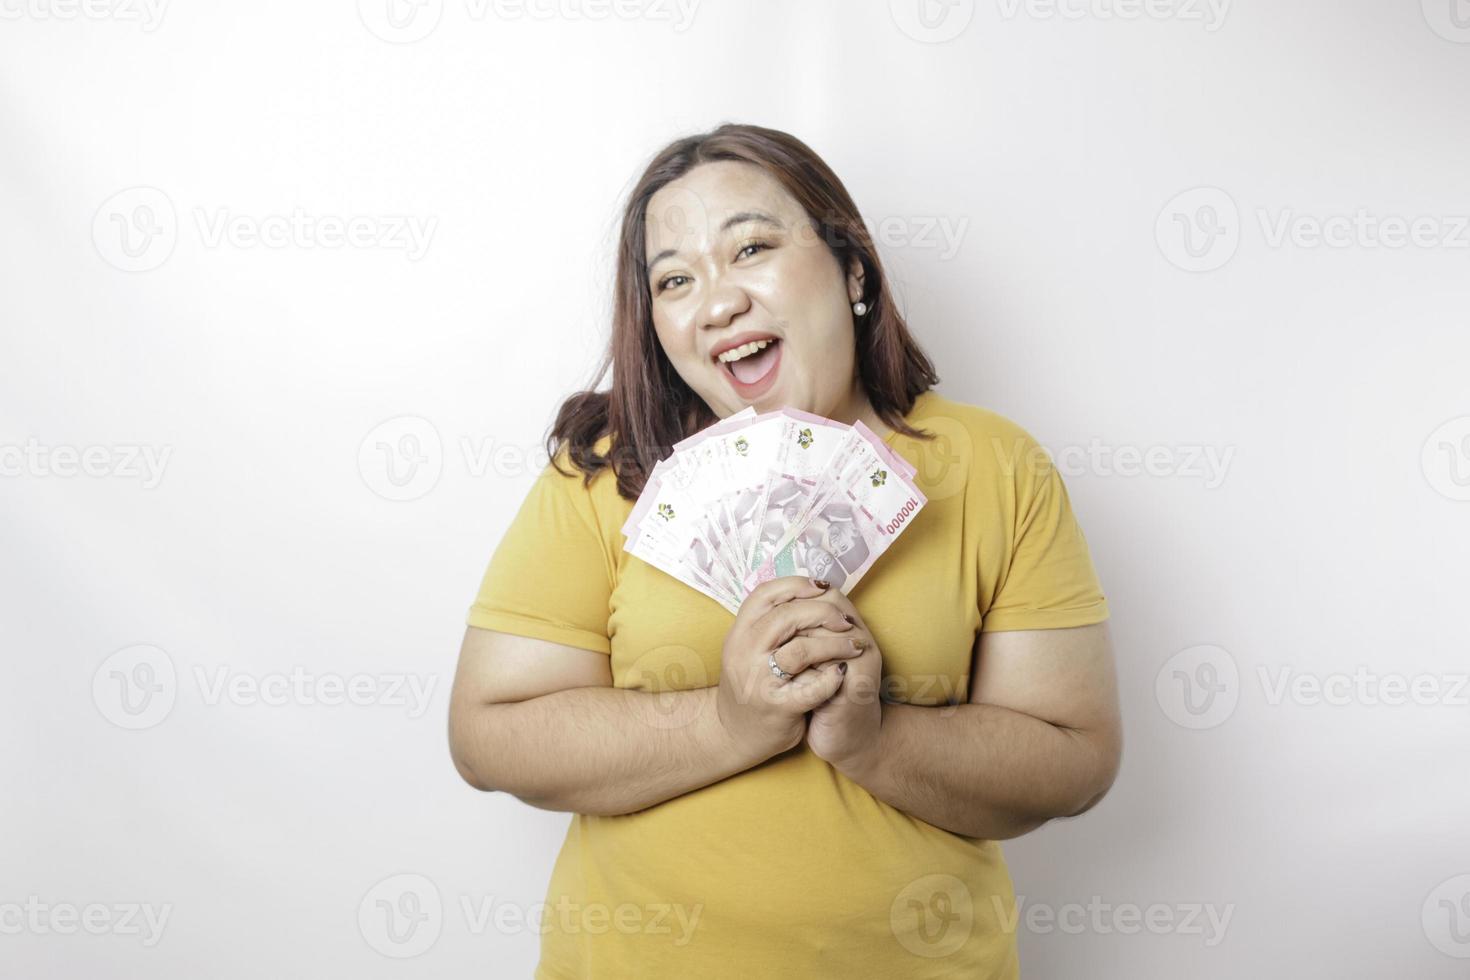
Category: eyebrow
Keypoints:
(739, 218)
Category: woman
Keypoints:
(735, 822)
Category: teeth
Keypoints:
(744, 350)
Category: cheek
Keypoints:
(677, 342)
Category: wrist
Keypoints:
(734, 754)
(864, 766)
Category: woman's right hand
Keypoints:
(763, 714)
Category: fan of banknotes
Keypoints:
(758, 496)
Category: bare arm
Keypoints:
(542, 721)
(1041, 738)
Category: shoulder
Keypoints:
(995, 442)
(597, 499)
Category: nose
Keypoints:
(724, 303)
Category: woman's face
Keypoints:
(732, 254)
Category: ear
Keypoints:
(854, 279)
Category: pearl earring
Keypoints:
(859, 308)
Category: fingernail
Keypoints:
(858, 645)
(842, 667)
(822, 584)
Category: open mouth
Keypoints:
(755, 366)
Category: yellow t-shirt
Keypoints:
(789, 869)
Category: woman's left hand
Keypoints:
(844, 729)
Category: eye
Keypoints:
(757, 245)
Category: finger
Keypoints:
(812, 687)
(840, 600)
(855, 630)
(781, 623)
(768, 595)
(802, 652)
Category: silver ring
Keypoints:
(776, 668)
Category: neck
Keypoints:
(857, 406)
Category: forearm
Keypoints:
(599, 750)
(978, 769)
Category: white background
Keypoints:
(1052, 144)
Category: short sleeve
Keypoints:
(549, 577)
(1049, 581)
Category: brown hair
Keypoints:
(649, 407)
